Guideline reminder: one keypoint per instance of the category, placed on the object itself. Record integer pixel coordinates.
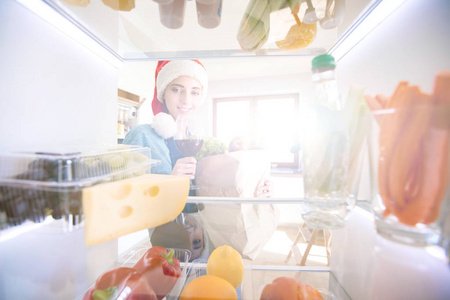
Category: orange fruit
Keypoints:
(226, 263)
(208, 287)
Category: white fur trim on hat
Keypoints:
(176, 68)
(164, 125)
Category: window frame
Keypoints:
(253, 104)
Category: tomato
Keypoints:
(226, 263)
(287, 288)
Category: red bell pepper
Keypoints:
(160, 269)
(133, 286)
(153, 277)
(138, 288)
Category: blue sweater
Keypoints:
(163, 150)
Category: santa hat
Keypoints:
(169, 70)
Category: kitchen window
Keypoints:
(267, 122)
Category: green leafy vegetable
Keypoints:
(211, 146)
(106, 294)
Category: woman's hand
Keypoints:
(265, 190)
(185, 166)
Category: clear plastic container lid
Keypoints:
(34, 185)
(135, 253)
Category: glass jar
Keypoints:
(410, 164)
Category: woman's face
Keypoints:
(182, 96)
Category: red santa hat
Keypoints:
(169, 70)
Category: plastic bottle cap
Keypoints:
(323, 61)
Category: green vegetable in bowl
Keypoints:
(211, 146)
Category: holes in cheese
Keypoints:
(120, 192)
(107, 219)
(125, 211)
(152, 191)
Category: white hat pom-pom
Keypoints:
(164, 125)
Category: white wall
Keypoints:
(54, 92)
(139, 78)
(265, 85)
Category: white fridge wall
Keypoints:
(54, 91)
(413, 45)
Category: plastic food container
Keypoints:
(256, 277)
(37, 185)
(132, 256)
(42, 241)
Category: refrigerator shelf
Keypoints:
(138, 33)
(256, 276)
(132, 256)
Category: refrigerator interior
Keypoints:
(57, 91)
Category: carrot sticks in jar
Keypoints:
(413, 162)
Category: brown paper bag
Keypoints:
(245, 227)
(234, 174)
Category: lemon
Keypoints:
(226, 263)
(208, 287)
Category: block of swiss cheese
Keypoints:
(121, 207)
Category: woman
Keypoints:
(180, 87)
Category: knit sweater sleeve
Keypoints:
(145, 136)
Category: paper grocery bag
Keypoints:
(245, 227)
(234, 174)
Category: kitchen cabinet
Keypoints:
(127, 106)
(361, 266)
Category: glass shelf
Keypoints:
(139, 35)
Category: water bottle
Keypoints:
(325, 149)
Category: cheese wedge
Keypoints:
(121, 207)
